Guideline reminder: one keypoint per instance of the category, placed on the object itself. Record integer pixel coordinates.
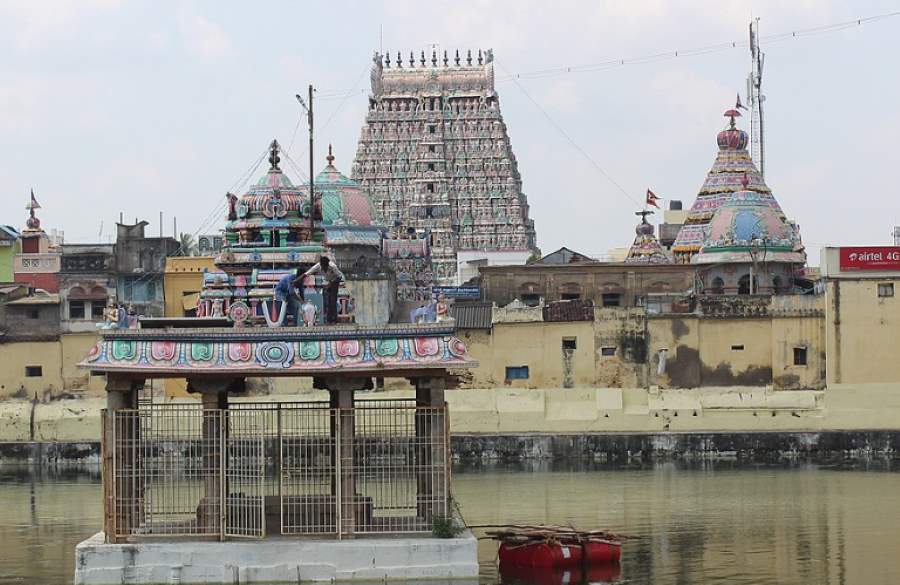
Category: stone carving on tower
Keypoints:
(434, 156)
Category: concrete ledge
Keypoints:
(277, 560)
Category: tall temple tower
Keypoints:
(434, 156)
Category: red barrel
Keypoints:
(545, 555)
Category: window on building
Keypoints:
(607, 351)
(431, 129)
(799, 356)
(744, 285)
(531, 299)
(612, 299)
(33, 313)
(430, 148)
(516, 372)
(569, 343)
(430, 166)
(431, 187)
(777, 284)
(97, 308)
(139, 288)
(570, 296)
(34, 371)
(737, 347)
(718, 286)
(76, 309)
(885, 289)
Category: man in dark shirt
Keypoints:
(333, 278)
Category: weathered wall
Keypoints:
(862, 331)
(623, 331)
(522, 412)
(373, 299)
(183, 275)
(75, 347)
(540, 347)
(14, 357)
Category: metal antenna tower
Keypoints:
(756, 99)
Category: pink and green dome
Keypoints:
(733, 170)
(342, 199)
(747, 222)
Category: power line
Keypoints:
(572, 142)
(692, 52)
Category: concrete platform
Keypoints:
(277, 560)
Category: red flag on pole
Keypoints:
(652, 199)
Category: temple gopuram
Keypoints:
(435, 157)
(227, 489)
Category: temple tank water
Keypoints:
(790, 524)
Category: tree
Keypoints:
(188, 246)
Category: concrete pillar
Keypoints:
(432, 440)
(343, 435)
(122, 480)
(211, 513)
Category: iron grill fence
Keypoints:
(282, 468)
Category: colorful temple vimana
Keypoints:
(732, 169)
(272, 230)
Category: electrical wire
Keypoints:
(572, 142)
(692, 52)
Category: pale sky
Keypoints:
(141, 107)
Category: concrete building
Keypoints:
(862, 286)
(605, 284)
(9, 247)
(139, 265)
(182, 282)
(87, 281)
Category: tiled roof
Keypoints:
(472, 315)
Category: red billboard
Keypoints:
(880, 258)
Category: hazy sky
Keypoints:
(109, 106)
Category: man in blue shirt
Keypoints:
(286, 291)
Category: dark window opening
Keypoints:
(886, 289)
(96, 374)
(744, 285)
(33, 313)
(431, 130)
(569, 343)
(799, 356)
(737, 348)
(97, 310)
(612, 299)
(76, 309)
(718, 286)
(34, 371)
(430, 148)
(531, 299)
(431, 187)
(516, 372)
(608, 351)
(570, 296)
(430, 166)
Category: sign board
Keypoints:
(881, 258)
(460, 293)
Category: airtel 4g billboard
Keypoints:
(881, 258)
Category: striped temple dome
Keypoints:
(733, 170)
(343, 200)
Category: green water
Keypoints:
(723, 523)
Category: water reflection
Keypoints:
(699, 523)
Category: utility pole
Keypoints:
(756, 99)
(308, 106)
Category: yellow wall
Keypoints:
(183, 274)
(538, 346)
(862, 332)
(15, 356)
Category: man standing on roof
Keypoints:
(333, 278)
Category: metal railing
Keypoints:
(286, 468)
